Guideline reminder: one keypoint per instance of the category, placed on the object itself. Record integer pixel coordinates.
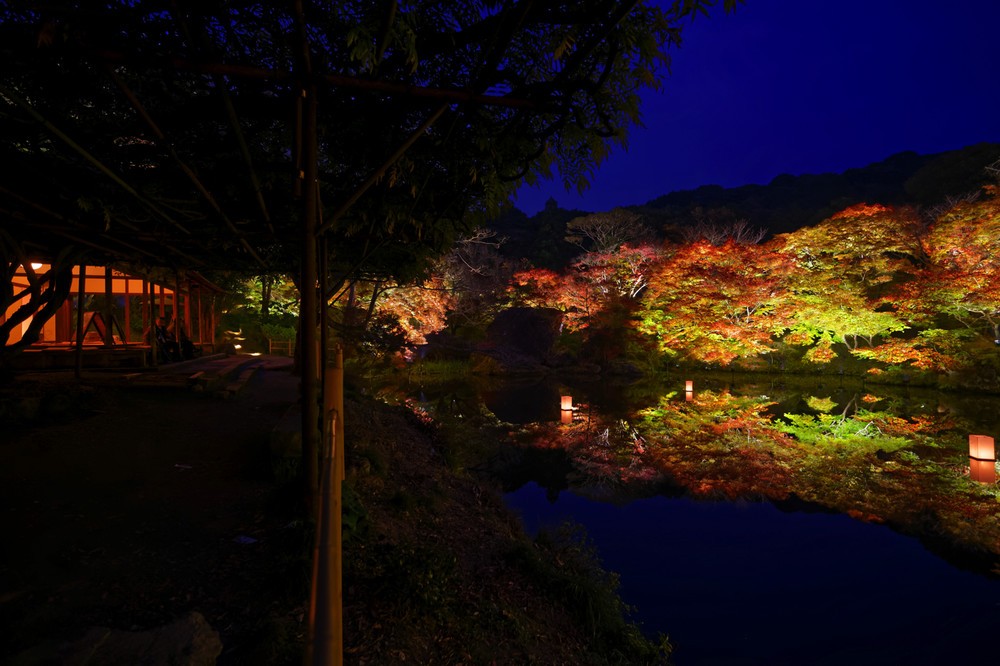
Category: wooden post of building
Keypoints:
(146, 309)
(212, 329)
(154, 345)
(80, 292)
(176, 314)
(109, 313)
(201, 318)
(126, 322)
(187, 312)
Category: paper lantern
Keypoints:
(983, 471)
(567, 403)
(688, 396)
(566, 418)
(981, 447)
(689, 385)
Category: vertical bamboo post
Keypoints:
(336, 387)
(326, 625)
(324, 330)
(309, 308)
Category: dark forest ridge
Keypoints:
(786, 203)
(789, 202)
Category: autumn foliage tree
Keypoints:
(961, 279)
(418, 309)
(715, 303)
(952, 300)
(847, 264)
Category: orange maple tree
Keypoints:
(715, 303)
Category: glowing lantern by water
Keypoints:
(983, 471)
(567, 403)
(689, 386)
(566, 417)
(981, 447)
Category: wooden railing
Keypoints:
(285, 347)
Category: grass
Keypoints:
(565, 564)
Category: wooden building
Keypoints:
(108, 317)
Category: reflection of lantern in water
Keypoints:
(689, 386)
(567, 403)
(983, 471)
(981, 447)
(567, 417)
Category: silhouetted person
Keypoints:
(187, 347)
(165, 341)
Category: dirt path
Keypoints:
(156, 502)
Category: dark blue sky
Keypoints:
(805, 86)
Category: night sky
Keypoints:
(805, 86)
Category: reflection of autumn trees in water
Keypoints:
(859, 458)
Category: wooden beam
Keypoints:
(90, 159)
(188, 171)
(380, 171)
(451, 95)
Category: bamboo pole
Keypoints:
(335, 384)
(325, 645)
(309, 310)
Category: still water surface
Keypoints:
(746, 582)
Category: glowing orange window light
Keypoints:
(981, 447)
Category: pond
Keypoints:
(855, 535)
(747, 583)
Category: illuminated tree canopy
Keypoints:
(883, 285)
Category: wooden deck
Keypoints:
(63, 356)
